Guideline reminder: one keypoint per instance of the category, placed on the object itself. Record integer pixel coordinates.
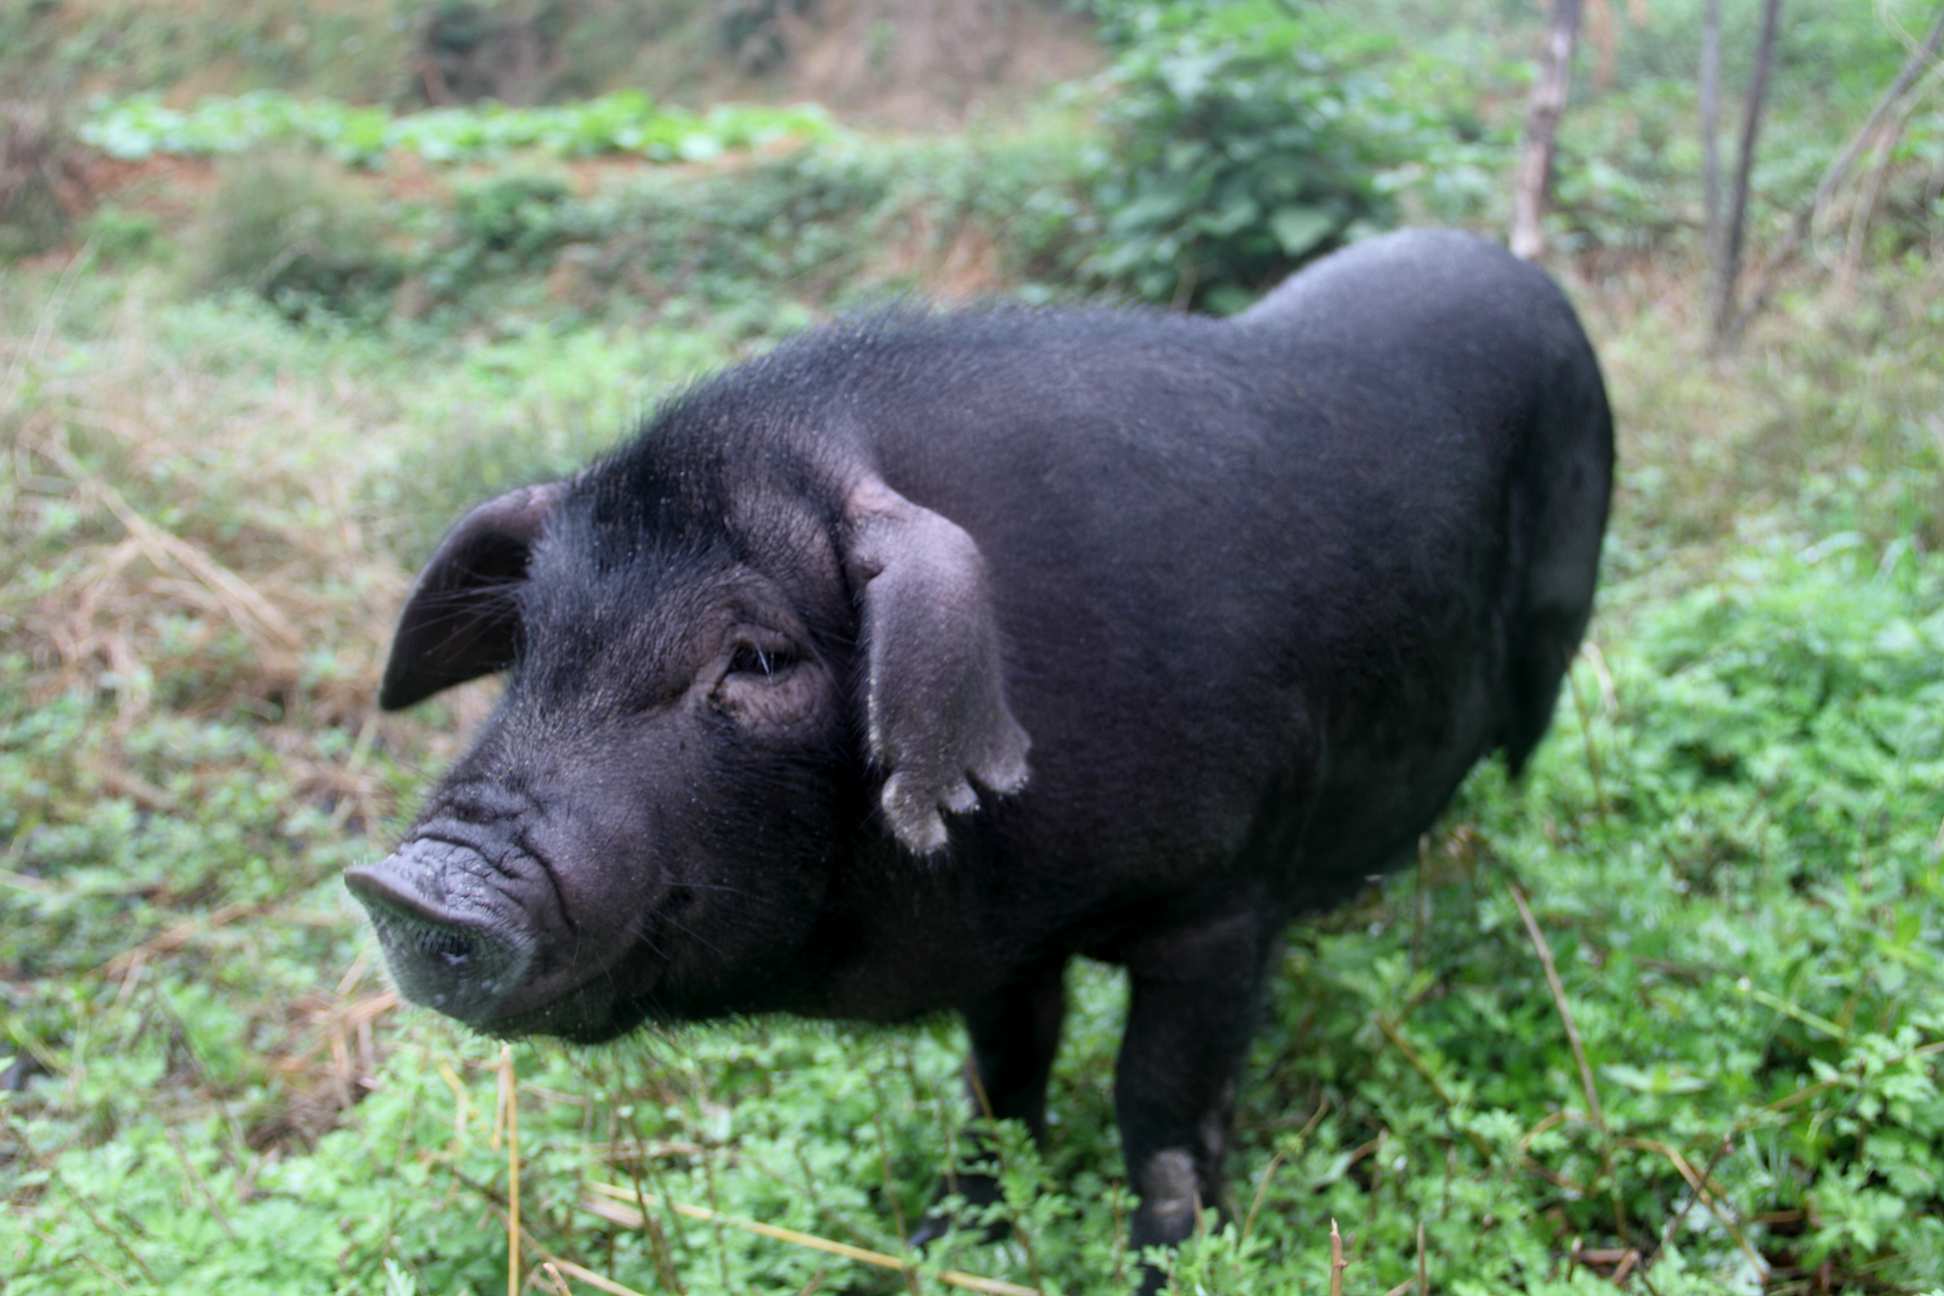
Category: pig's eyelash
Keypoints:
(750, 659)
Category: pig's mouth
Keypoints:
(479, 937)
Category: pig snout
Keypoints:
(451, 943)
(462, 932)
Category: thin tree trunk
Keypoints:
(1914, 67)
(1603, 33)
(1711, 124)
(1728, 268)
(1534, 180)
(1864, 213)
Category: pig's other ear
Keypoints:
(462, 618)
(935, 696)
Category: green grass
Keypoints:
(626, 122)
(1731, 845)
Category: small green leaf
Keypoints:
(1299, 230)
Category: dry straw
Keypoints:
(610, 1204)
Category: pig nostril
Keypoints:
(454, 949)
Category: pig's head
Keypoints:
(719, 691)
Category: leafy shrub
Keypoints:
(299, 236)
(798, 225)
(519, 218)
(829, 225)
(1249, 138)
(1627, 178)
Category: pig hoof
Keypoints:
(977, 1193)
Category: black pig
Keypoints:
(886, 673)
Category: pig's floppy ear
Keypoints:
(461, 620)
(935, 697)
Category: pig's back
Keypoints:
(1263, 581)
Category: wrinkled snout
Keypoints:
(453, 941)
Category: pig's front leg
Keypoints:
(1195, 996)
(1014, 1034)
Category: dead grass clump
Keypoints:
(43, 189)
(1836, 385)
(955, 262)
(150, 608)
(184, 539)
(335, 1068)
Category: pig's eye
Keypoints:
(749, 659)
(765, 686)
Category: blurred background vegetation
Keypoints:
(285, 285)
